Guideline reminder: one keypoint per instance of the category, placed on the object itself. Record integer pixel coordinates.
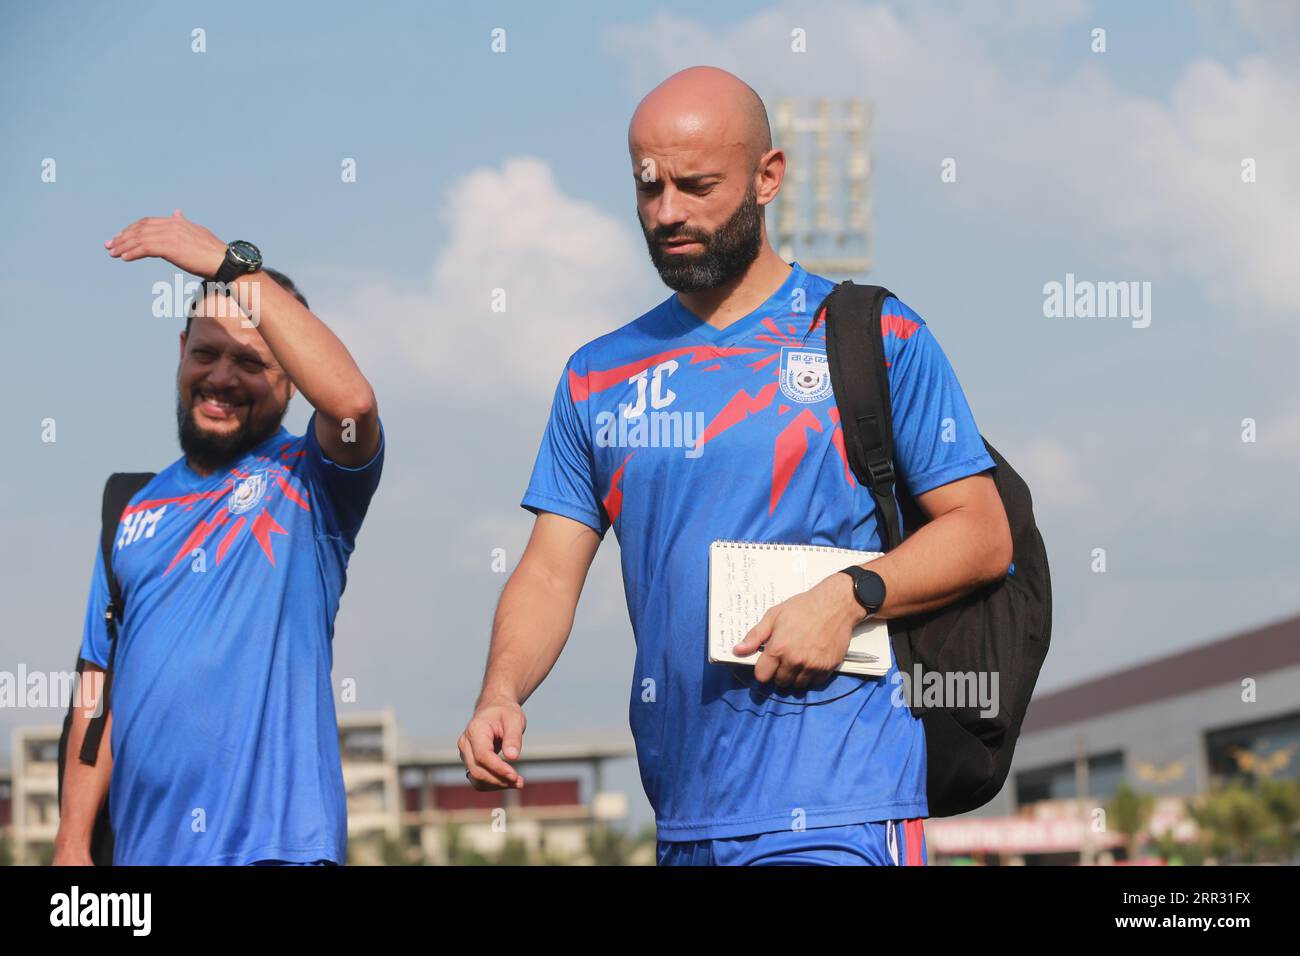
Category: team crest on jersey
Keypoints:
(805, 376)
(248, 493)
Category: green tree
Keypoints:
(1130, 813)
(458, 854)
(513, 853)
(396, 853)
(1282, 800)
(613, 846)
(1234, 822)
(608, 846)
(1177, 852)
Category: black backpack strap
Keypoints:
(855, 352)
(118, 492)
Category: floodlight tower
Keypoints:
(823, 214)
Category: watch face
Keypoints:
(246, 252)
(870, 588)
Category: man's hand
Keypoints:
(806, 636)
(184, 244)
(496, 724)
(66, 854)
(532, 622)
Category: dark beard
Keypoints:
(727, 252)
(212, 452)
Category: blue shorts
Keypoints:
(880, 843)
(293, 863)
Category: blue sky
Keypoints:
(478, 170)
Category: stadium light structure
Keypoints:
(823, 214)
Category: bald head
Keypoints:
(704, 169)
(702, 108)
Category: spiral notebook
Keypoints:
(748, 577)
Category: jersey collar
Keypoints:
(266, 448)
(777, 306)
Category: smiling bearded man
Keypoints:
(221, 742)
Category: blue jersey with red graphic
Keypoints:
(677, 434)
(225, 741)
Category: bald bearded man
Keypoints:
(790, 762)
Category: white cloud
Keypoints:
(1151, 187)
(1054, 475)
(1275, 23)
(569, 273)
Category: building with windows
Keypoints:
(1171, 728)
(33, 787)
(417, 808)
(562, 809)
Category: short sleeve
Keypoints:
(342, 494)
(936, 440)
(564, 475)
(94, 633)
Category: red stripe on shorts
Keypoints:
(914, 841)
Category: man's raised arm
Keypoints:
(316, 362)
(320, 366)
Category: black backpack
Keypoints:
(1002, 628)
(118, 491)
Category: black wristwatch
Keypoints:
(241, 258)
(868, 588)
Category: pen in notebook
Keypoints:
(861, 657)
